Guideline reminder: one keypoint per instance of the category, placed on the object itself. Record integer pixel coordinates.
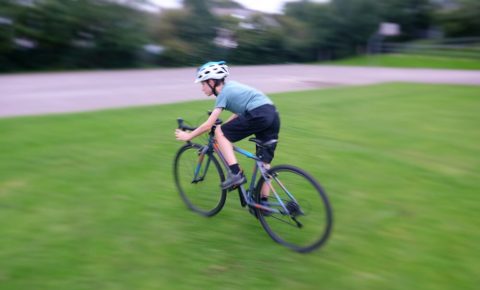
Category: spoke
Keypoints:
(197, 180)
(303, 218)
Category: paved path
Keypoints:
(34, 94)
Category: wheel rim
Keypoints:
(309, 225)
(202, 196)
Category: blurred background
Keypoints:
(88, 200)
(91, 34)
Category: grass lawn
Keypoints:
(87, 201)
(411, 61)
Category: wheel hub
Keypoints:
(293, 208)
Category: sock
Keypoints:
(234, 168)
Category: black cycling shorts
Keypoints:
(263, 122)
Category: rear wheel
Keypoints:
(198, 180)
(305, 218)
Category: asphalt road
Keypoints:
(45, 93)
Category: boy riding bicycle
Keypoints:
(253, 113)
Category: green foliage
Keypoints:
(413, 16)
(87, 201)
(259, 45)
(352, 22)
(57, 34)
(76, 33)
(342, 27)
(187, 34)
(296, 40)
(464, 21)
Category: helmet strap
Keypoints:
(214, 88)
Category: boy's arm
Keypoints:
(187, 136)
(233, 116)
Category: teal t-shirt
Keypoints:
(239, 98)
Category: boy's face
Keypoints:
(206, 88)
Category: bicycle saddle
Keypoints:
(263, 144)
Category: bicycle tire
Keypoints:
(310, 207)
(204, 197)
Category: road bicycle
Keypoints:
(297, 213)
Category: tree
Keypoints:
(463, 21)
(413, 16)
(187, 34)
(352, 22)
(338, 28)
(77, 33)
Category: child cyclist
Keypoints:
(253, 113)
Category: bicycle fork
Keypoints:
(197, 177)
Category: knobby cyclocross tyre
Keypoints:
(202, 194)
(309, 223)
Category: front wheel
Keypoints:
(198, 178)
(304, 218)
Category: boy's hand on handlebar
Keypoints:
(182, 136)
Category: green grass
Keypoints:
(411, 61)
(87, 201)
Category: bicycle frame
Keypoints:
(279, 206)
(246, 195)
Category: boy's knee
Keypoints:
(267, 153)
(218, 131)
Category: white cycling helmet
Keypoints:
(216, 70)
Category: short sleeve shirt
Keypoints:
(239, 98)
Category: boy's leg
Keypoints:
(226, 148)
(267, 154)
(254, 122)
(265, 191)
